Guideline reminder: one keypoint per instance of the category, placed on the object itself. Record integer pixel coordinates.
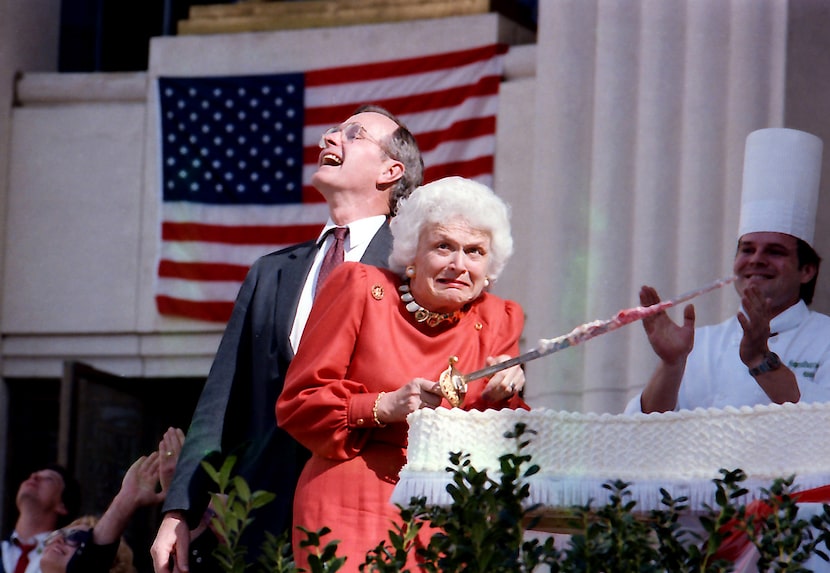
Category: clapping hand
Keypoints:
(670, 341)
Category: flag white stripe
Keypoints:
(460, 150)
(439, 119)
(246, 215)
(225, 291)
(215, 253)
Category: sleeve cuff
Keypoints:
(360, 410)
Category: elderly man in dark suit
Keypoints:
(366, 165)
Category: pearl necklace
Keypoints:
(423, 315)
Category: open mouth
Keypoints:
(757, 277)
(453, 283)
(331, 159)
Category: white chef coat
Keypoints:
(716, 377)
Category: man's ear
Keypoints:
(393, 170)
(808, 273)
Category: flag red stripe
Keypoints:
(469, 169)
(466, 129)
(202, 271)
(448, 98)
(442, 99)
(384, 70)
(212, 311)
(239, 235)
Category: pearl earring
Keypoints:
(486, 282)
(410, 271)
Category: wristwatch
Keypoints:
(771, 362)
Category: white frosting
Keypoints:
(577, 453)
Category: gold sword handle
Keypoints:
(452, 383)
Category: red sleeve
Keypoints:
(319, 406)
(505, 319)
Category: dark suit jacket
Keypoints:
(235, 412)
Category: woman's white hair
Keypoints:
(446, 200)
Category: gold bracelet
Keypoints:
(375, 411)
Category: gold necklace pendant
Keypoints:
(421, 314)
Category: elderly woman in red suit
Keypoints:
(375, 345)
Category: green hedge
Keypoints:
(483, 530)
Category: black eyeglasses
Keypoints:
(71, 537)
(350, 132)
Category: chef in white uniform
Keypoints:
(775, 349)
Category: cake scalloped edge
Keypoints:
(568, 486)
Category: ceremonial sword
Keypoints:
(454, 384)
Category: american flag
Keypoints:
(238, 153)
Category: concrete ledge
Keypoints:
(130, 355)
(55, 88)
(47, 88)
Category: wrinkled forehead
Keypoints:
(457, 228)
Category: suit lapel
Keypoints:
(291, 274)
(290, 280)
(377, 253)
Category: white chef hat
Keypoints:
(782, 172)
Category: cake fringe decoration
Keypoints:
(568, 492)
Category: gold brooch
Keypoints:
(377, 292)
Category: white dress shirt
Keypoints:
(361, 233)
(11, 552)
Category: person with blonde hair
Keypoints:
(63, 543)
(95, 545)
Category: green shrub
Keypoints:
(483, 529)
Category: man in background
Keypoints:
(48, 499)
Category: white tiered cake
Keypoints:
(681, 452)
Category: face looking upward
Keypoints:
(356, 159)
(44, 488)
(60, 546)
(451, 264)
(769, 261)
